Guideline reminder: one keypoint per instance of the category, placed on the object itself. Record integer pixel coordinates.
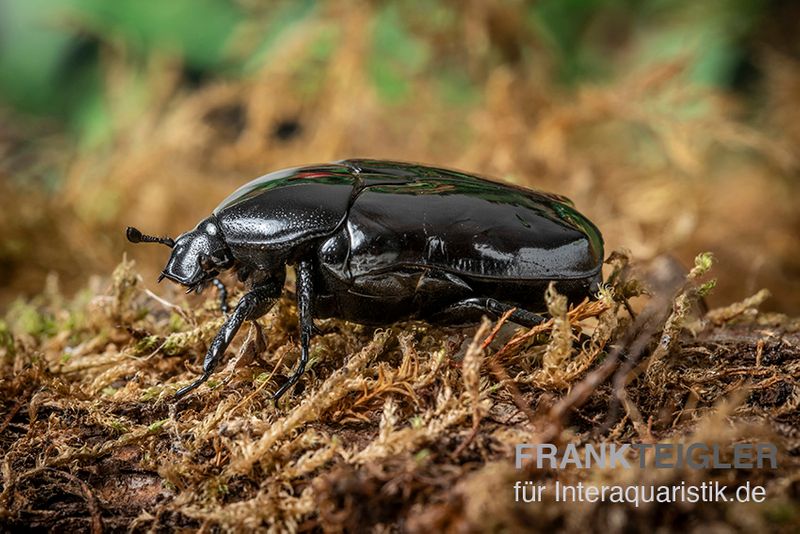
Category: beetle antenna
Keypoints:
(135, 236)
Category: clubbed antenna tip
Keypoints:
(135, 236)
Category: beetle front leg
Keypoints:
(304, 272)
(223, 294)
(251, 306)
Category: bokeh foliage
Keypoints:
(671, 124)
(51, 51)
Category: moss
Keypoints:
(6, 339)
(150, 394)
(176, 322)
(156, 426)
(28, 319)
(702, 264)
(147, 344)
(118, 426)
(706, 288)
(394, 407)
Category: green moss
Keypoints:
(147, 344)
(314, 359)
(221, 488)
(707, 287)
(119, 426)
(421, 456)
(175, 344)
(150, 394)
(156, 427)
(176, 323)
(702, 264)
(6, 338)
(26, 318)
(261, 378)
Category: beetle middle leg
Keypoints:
(471, 309)
(305, 300)
(252, 305)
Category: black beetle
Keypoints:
(376, 242)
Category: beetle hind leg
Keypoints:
(470, 310)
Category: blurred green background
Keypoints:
(51, 54)
(672, 123)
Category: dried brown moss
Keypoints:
(410, 427)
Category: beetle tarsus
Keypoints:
(194, 385)
(305, 339)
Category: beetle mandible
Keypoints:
(375, 242)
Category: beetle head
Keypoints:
(197, 256)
